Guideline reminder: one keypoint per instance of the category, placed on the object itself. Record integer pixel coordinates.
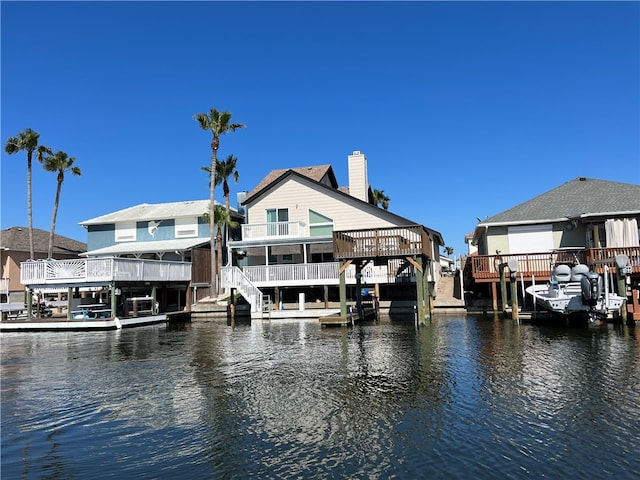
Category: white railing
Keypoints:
(102, 269)
(232, 277)
(263, 231)
(320, 274)
(4, 286)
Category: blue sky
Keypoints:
(463, 109)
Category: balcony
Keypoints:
(272, 230)
(101, 270)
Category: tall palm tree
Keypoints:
(58, 162)
(218, 123)
(27, 140)
(222, 219)
(379, 198)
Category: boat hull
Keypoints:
(567, 300)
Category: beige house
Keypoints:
(287, 241)
(14, 249)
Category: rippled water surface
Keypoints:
(464, 397)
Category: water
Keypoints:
(464, 397)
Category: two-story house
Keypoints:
(287, 245)
(175, 231)
(593, 220)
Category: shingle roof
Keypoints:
(17, 239)
(147, 211)
(578, 197)
(316, 173)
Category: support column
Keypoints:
(359, 308)
(420, 300)
(343, 290)
(503, 288)
(114, 300)
(153, 301)
(494, 296)
(69, 302)
(29, 303)
(326, 296)
(427, 291)
(514, 298)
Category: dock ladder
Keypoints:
(267, 306)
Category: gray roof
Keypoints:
(147, 211)
(580, 197)
(17, 239)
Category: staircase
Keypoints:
(449, 297)
(232, 277)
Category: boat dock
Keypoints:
(62, 324)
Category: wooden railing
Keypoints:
(381, 242)
(102, 269)
(484, 268)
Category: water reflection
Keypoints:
(463, 396)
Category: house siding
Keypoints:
(299, 196)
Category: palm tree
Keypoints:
(218, 123)
(225, 169)
(222, 219)
(27, 140)
(379, 198)
(59, 162)
(448, 250)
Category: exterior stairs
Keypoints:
(449, 295)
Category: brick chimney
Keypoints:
(358, 180)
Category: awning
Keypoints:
(157, 246)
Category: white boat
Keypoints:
(574, 291)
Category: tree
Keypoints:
(27, 141)
(222, 219)
(58, 162)
(379, 198)
(218, 123)
(225, 169)
(448, 250)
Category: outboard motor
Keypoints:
(591, 286)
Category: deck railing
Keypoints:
(484, 268)
(308, 274)
(271, 230)
(101, 269)
(381, 242)
(233, 277)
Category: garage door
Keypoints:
(530, 239)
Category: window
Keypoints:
(186, 227)
(275, 216)
(319, 225)
(126, 232)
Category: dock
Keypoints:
(62, 324)
(351, 318)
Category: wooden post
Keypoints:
(514, 297)
(494, 296)
(326, 296)
(622, 291)
(503, 288)
(114, 300)
(359, 308)
(276, 293)
(343, 290)
(29, 303)
(427, 290)
(69, 302)
(422, 305)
